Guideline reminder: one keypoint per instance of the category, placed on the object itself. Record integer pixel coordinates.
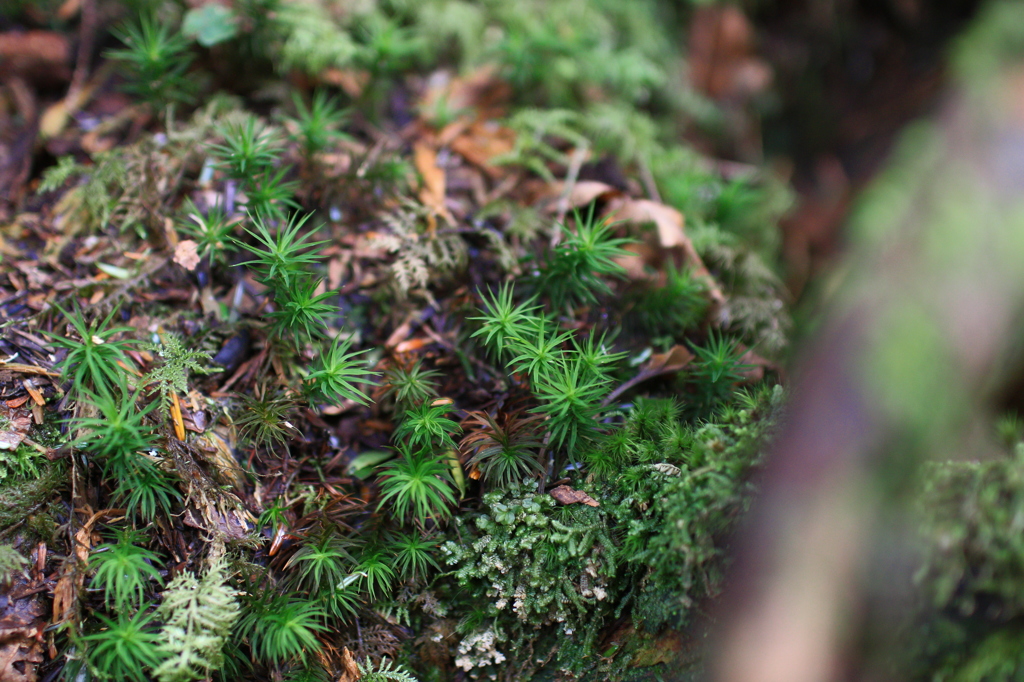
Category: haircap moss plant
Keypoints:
(282, 256)
(158, 58)
(317, 125)
(410, 385)
(574, 273)
(212, 232)
(122, 569)
(504, 448)
(426, 426)
(337, 372)
(249, 148)
(124, 648)
(93, 360)
(417, 485)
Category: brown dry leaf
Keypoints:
(482, 142)
(674, 360)
(186, 254)
(669, 221)
(19, 657)
(566, 495)
(587, 191)
(480, 89)
(352, 81)
(434, 185)
(670, 224)
(21, 632)
(19, 422)
(723, 60)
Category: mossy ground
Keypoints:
(340, 332)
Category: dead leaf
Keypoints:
(669, 221)
(670, 224)
(484, 141)
(674, 360)
(186, 254)
(19, 422)
(432, 194)
(587, 191)
(19, 657)
(566, 495)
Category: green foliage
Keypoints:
(300, 312)
(116, 437)
(535, 129)
(570, 398)
(198, 616)
(157, 57)
(269, 195)
(426, 426)
(210, 24)
(503, 320)
(539, 349)
(124, 648)
(375, 568)
(717, 368)
(417, 483)
(32, 504)
(976, 507)
(551, 576)
(540, 565)
(504, 451)
(20, 463)
(249, 147)
(264, 419)
(171, 376)
(672, 309)
(410, 385)
(118, 431)
(283, 258)
(321, 563)
(143, 488)
(384, 671)
(335, 374)
(122, 571)
(281, 627)
(317, 124)
(413, 552)
(213, 232)
(11, 562)
(92, 361)
(574, 274)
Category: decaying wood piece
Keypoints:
(912, 350)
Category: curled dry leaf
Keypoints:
(563, 494)
(674, 360)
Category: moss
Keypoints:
(30, 506)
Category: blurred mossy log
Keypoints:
(919, 339)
